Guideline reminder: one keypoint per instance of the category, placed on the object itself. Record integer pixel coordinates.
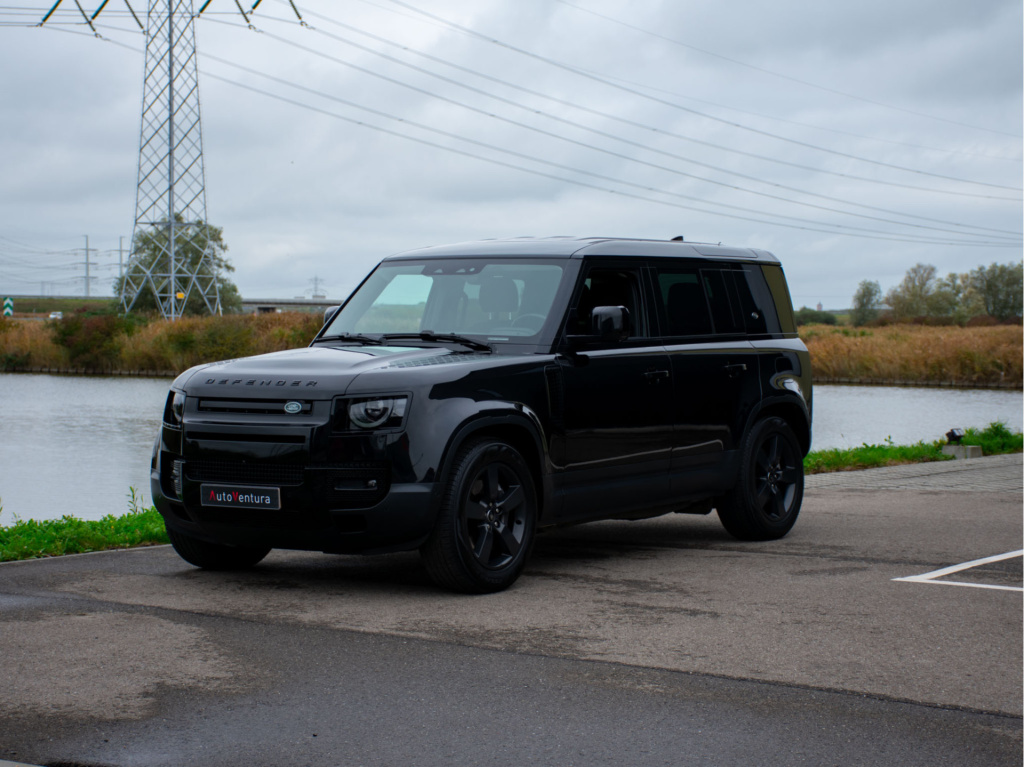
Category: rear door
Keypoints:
(701, 310)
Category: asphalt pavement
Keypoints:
(661, 642)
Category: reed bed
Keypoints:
(905, 354)
(158, 345)
(917, 354)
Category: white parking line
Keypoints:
(930, 577)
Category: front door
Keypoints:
(616, 436)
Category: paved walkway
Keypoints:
(997, 473)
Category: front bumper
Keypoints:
(343, 506)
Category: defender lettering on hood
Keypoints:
(259, 383)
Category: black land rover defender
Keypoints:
(466, 396)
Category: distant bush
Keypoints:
(92, 341)
(805, 316)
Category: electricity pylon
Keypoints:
(171, 252)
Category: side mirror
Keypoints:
(611, 323)
(329, 312)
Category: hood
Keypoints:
(316, 372)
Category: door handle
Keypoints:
(653, 376)
(734, 370)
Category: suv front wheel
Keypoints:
(486, 522)
(765, 502)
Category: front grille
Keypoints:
(236, 472)
(221, 436)
(259, 406)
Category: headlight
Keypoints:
(178, 406)
(174, 411)
(375, 413)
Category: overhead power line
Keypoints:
(815, 227)
(680, 107)
(798, 223)
(780, 75)
(590, 129)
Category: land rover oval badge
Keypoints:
(293, 407)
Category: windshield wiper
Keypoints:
(354, 337)
(429, 335)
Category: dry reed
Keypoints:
(980, 356)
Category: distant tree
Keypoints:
(150, 246)
(806, 316)
(911, 298)
(956, 297)
(1000, 288)
(866, 301)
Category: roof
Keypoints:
(578, 247)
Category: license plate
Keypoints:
(240, 497)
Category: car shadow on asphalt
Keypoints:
(404, 572)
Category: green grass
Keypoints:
(994, 439)
(31, 539)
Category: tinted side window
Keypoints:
(761, 303)
(726, 313)
(780, 292)
(684, 306)
(610, 287)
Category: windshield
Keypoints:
(495, 300)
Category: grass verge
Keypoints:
(32, 539)
(145, 527)
(994, 439)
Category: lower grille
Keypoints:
(347, 486)
(236, 472)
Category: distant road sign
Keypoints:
(8, 306)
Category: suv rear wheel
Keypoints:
(765, 502)
(486, 523)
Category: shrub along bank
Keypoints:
(145, 527)
(105, 343)
(99, 343)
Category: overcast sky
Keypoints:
(748, 123)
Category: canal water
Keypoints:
(75, 445)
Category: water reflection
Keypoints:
(847, 416)
(74, 445)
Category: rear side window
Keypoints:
(725, 305)
(781, 301)
(722, 301)
(684, 305)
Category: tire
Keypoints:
(215, 556)
(765, 502)
(486, 523)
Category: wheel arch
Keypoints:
(519, 431)
(792, 412)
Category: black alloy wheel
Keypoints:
(766, 500)
(486, 523)
(494, 514)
